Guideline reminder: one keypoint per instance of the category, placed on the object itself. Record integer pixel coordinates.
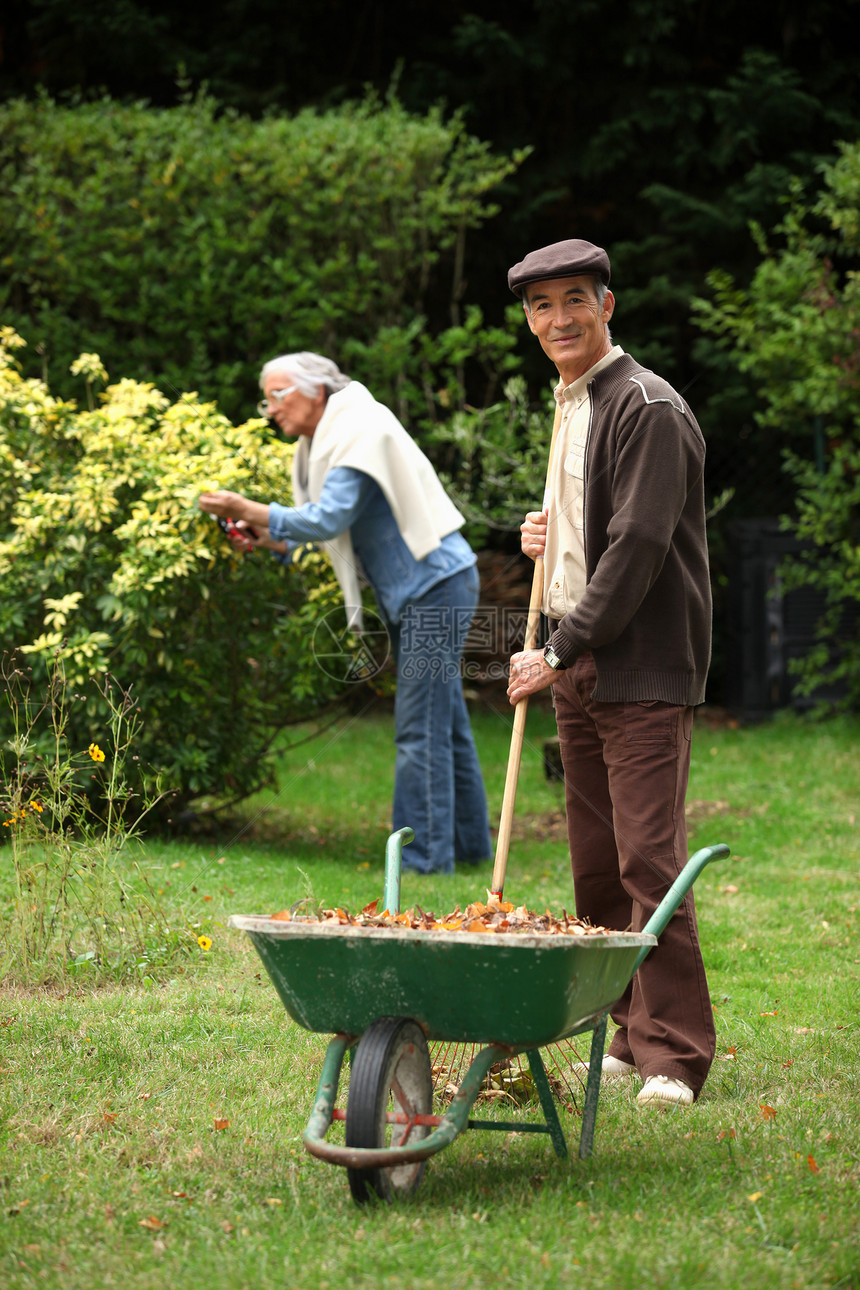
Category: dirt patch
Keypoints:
(551, 826)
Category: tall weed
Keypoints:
(82, 902)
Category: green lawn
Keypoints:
(151, 1136)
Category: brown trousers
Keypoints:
(626, 767)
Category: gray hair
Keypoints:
(600, 290)
(309, 372)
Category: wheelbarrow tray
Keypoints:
(515, 989)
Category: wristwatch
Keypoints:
(553, 659)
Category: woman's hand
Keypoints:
(250, 519)
(230, 506)
(533, 529)
(258, 537)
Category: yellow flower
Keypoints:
(95, 752)
(34, 806)
(204, 942)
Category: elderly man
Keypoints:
(365, 491)
(627, 593)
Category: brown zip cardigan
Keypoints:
(646, 611)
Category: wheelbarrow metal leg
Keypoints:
(547, 1101)
(323, 1108)
(592, 1089)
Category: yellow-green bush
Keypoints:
(107, 564)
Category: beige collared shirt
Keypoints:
(564, 560)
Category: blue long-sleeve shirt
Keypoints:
(352, 500)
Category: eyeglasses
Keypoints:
(268, 405)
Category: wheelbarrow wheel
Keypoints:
(390, 1072)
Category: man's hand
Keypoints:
(530, 672)
(533, 529)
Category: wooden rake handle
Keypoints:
(503, 841)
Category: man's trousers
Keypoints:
(626, 767)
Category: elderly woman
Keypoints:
(365, 491)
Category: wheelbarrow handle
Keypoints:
(659, 920)
(393, 858)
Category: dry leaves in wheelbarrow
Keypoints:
(494, 917)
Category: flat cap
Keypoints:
(561, 260)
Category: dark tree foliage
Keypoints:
(659, 127)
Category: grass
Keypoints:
(151, 1135)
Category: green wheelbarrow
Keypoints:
(382, 993)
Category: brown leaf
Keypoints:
(221, 1124)
(767, 1112)
(810, 1160)
(496, 916)
(151, 1223)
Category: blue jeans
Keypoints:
(438, 785)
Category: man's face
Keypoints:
(564, 315)
(294, 413)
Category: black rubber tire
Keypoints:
(390, 1071)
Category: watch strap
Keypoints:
(553, 659)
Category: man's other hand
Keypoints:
(529, 673)
(533, 529)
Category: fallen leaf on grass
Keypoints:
(726, 1133)
(810, 1160)
(151, 1223)
(221, 1124)
(754, 1196)
(767, 1112)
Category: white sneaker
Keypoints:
(665, 1092)
(613, 1070)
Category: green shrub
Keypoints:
(107, 565)
(186, 245)
(796, 330)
